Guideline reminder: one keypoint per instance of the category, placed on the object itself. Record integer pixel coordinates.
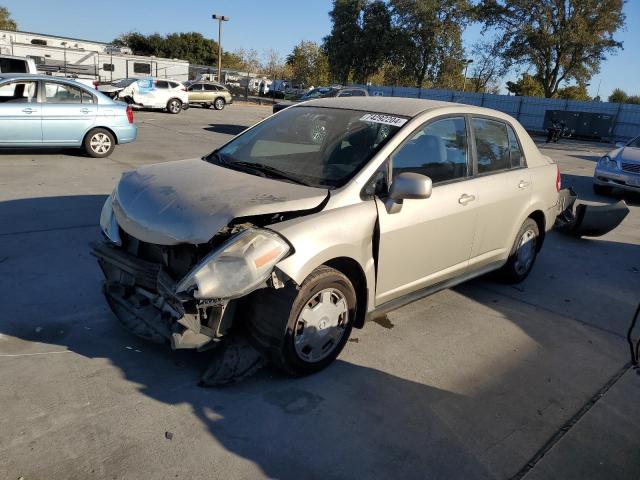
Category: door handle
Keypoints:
(28, 110)
(84, 110)
(523, 184)
(464, 199)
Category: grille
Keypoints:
(631, 167)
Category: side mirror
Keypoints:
(409, 186)
(620, 144)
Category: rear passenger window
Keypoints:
(162, 84)
(62, 93)
(438, 150)
(492, 145)
(87, 97)
(517, 158)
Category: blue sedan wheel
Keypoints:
(99, 143)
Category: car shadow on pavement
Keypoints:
(227, 129)
(72, 152)
(348, 421)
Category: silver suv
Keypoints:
(320, 217)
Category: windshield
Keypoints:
(125, 82)
(319, 93)
(320, 147)
(635, 143)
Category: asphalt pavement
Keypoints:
(481, 381)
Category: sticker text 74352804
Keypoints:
(385, 119)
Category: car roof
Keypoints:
(406, 107)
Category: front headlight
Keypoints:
(237, 267)
(108, 222)
(607, 162)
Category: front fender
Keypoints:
(340, 232)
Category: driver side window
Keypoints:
(437, 150)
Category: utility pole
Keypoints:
(220, 18)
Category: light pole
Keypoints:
(220, 18)
(466, 65)
(64, 44)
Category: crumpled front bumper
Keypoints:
(142, 296)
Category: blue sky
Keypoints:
(278, 24)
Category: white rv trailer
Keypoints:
(86, 58)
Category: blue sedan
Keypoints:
(44, 111)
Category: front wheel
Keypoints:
(219, 103)
(523, 254)
(303, 331)
(174, 106)
(99, 143)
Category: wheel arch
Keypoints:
(96, 127)
(538, 217)
(354, 272)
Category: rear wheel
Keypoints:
(174, 106)
(219, 103)
(523, 254)
(601, 189)
(99, 143)
(303, 331)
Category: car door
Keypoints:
(196, 93)
(68, 112)
(503, 183)
(210, 92)
(20, 113)
(428, 241)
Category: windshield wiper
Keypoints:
(268, 170)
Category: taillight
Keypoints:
(129, 113)
(184, 89)
(558, 179)
(95, 84)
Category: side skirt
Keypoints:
(430, 290)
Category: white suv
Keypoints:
(150, 92)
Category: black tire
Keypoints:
(514, 271)
(219, 103)
(174, 106)
(273, 314)
(602, 189)
(99, 143)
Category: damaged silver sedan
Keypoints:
(321, 216)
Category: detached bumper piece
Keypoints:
(588, 220)
(141, 295)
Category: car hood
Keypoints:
(189, 201)
(630, 154)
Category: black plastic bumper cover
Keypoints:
(588, 220)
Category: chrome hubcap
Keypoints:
(526, 252)
(100, 143)
(219, 104)
(321, 325)
(174, 106)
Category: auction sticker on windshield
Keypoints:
(385, 119)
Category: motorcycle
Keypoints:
(558, 130)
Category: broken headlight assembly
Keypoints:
(237, 267)
(608, 163)
(108, 222)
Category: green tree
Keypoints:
(562, 40)
(573, 92)
(190, 46)
(618, 96)
(309, 64)
(526, 86)
(6, 22)
(340, 45)
(373, 41)
(426, 32)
